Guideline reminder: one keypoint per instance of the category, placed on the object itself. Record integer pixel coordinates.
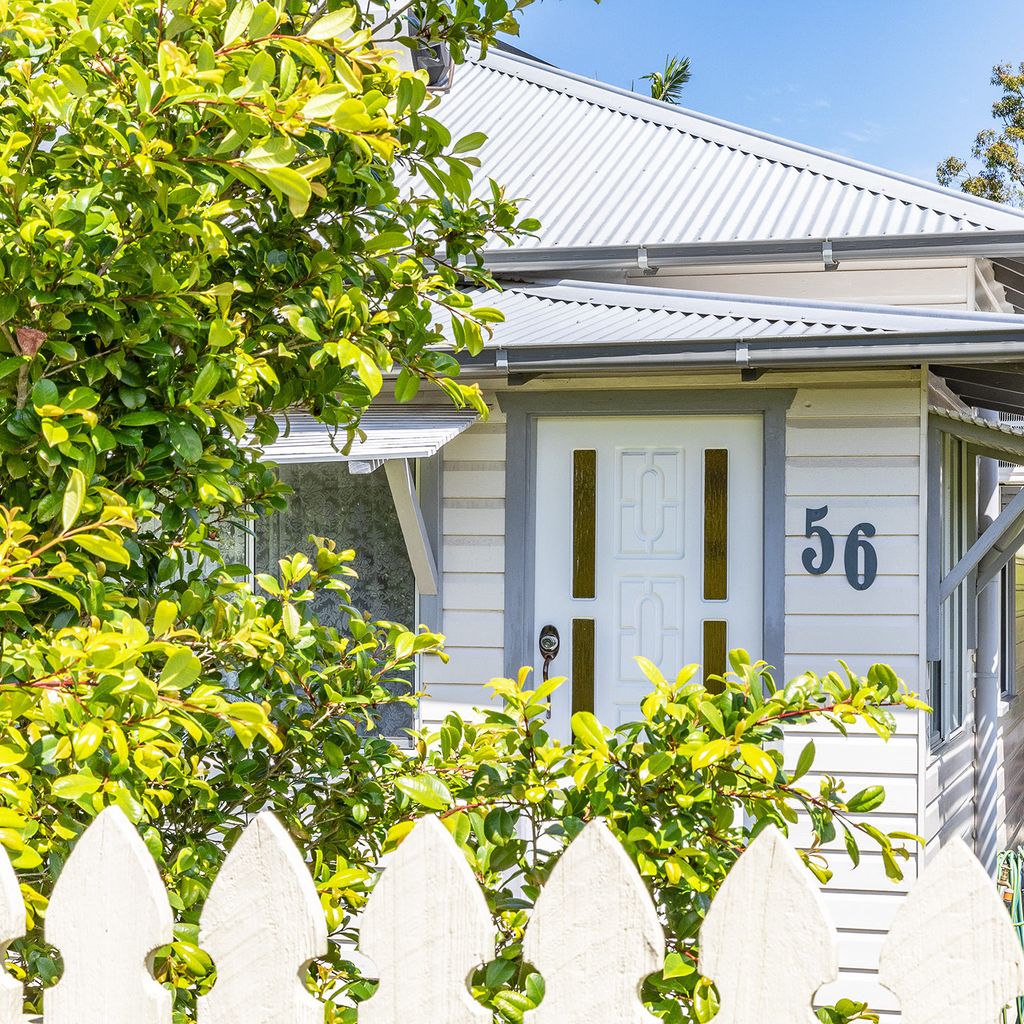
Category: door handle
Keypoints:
(549, 642)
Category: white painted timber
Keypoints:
(594, 936)
(894, 514)
(897, 556)
(768, 898)
(949, 789)
(937, 284)
(856, 450)
(12, 926)
(817, 474)
(473, 565)
(410, 522)
(107, 915)
(949, 955)
(426, 927)
(262, 924)
(888, 595)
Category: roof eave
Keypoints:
(890, 349)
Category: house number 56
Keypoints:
(859, 558)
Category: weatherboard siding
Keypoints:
(936, 284)
(857, 450)
(473, 566)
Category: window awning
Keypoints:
(393, 436)
(986, 437)
(409, 432)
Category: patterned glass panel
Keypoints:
(231, 543)
(584, 522)
(582, 665)
(715, 652)
(716, 524)
(356, 511)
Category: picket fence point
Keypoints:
(950, 955)
(426, 927)
(108, 913)
(767, 942)
(262, 924)
(594, 935)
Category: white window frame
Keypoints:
(949, 678)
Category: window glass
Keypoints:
(356, 511)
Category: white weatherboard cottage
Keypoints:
(734, 404)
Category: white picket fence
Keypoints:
(950, 957)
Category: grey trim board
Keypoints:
(522, 411)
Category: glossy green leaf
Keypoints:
(425, 790)
(74, 496)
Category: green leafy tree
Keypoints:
(995, 171)
(668, 84)
(209, 213)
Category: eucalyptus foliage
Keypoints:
(995, 170)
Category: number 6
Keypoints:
(855, 544)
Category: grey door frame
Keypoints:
(522, 411)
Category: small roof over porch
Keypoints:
(559, 326)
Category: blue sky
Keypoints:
(899, 83)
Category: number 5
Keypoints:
(828, 547)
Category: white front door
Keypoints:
(648, 542)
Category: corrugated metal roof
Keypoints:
(601, 166)
(587, 313)
(996, 426)
(405, 432)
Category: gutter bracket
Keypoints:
(742, 354)
(642, 262)
(501, 359)
(828, 260)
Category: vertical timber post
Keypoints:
(986, 680)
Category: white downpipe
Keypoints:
(986, 681)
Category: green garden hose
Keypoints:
(1010, 872)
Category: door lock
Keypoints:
(549, 643)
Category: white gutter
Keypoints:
(968, 347)
(828, 253)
